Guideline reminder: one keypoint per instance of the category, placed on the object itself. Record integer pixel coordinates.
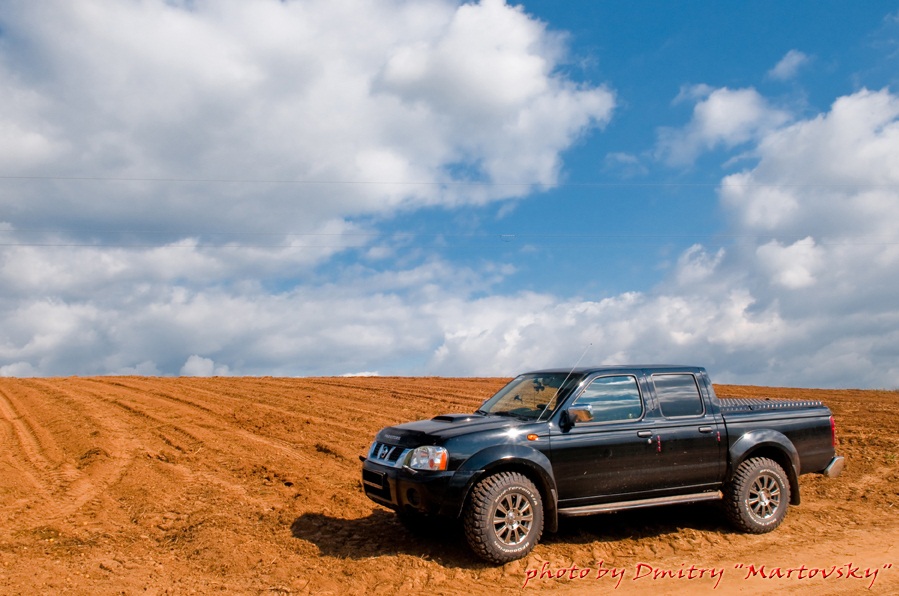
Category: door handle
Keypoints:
(705, 429)
(643, 434)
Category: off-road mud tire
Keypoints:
(757, 497)
(503, 519)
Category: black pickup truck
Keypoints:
(577, 442)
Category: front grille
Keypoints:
(386, 454)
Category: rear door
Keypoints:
(687, 436)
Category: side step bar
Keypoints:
(622, 505)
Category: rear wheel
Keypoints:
(503, 520)
(758, 496)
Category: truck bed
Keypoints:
(732, 405)
(806, 424)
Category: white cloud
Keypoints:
(788, 66)
(792, 266)
(197, 366)
(19, 369)
(695, 265)
(465, 70)
(760, 207)
(828, 185)
(371, 105)
(721, 117)
(625, 165)
(186, 167)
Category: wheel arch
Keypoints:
(773, 445)
(528, 462)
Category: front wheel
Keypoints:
(758, 496)
(503, 519)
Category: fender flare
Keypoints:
(765, 440)
(509, 457)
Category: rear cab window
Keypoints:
(678, 395)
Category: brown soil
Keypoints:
(252, 486)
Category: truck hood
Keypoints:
(440, 428)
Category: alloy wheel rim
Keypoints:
(764, 497)
(513, 518)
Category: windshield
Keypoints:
(528, 396)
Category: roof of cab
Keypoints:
(586, 370)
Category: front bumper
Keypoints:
(402, 488)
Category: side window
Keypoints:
(612, 399)
(678, 395)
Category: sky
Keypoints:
(431, 187)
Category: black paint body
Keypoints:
(650, 455)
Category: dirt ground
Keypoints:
(137, 485)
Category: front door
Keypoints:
(602, 458)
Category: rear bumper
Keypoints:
(835, 467)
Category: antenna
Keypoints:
(562, 384)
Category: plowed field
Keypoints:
(236, 485)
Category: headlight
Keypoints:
(428, 458)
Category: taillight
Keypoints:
(833, 432)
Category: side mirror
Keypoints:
(577, 413)
(565, 421)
